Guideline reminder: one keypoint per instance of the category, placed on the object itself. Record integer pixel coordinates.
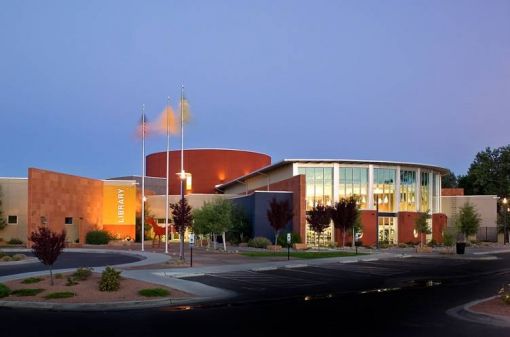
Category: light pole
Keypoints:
(377, 191)
(505, 235)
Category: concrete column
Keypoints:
(397, 190)
(371, 186)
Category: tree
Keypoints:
(278, 215)
(467, 220)
(138, 223)
(319, 218)
(241, 227)
(422, 226)
(449, 180)
(182, 218)
(47, 246)
(345, 214)
(213, 218)
(3, 223)
(489, 173)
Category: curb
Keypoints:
(464, 312)
(110, 306)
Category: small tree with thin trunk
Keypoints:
(278, 214)
(422, 226)
(344, 215)
(182, 217)
(3, 223)
(319, 218)
(47, 246)
(467, 220)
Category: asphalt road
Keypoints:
(71, 260)
(379, 298)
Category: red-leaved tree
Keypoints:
(47, 246)
(182, 217)
(278, 214)
(319, 219)
(344, 215)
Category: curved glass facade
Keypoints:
(353, 181)
(407, 190)
(384, 189)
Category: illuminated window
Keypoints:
(319, 185)
(354, 182)
(408, 191)
(424, 192)
(384, 189)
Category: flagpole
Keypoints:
(143, 177)
(182, 173)
(167, 170)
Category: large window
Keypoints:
(12, 219)
(354, 182)
(388, 230)
(408, 191)
(424, 192)
(319, 185)
(436, 188)
(384, 189)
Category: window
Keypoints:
(319, 185)
(68, 220)
(12, 219)
(384, 189)
(354, 182)
(407, 191)
(424, 192)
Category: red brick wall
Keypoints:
(296, 185)
(368, 222)
(208, 167)
(439, 221)
(56, 196)
(452, 192)
(406, 225)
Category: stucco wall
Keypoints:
(14, 192)
(485, 205)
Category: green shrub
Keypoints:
(154, 292)
(259, 242)
(110, 280)
(18, 257)
(27, 292)
(402, 245)
(81, 274)
(4, 290)
(59, 276)
(71, 281)
(448, 239)
(294, 238)
(15, 241)
(97, 237)
(2, 254)
(60, 294)
(432, 243)
(31, 280)
(6, 258)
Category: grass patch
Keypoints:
(31, 280)
(154, 292)
(60, 294)
(26, 292)
(300, 255)
(4, 290)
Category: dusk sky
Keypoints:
(419, 81)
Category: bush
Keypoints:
(110, 280)
(432, 243)
(259, 242)
(18, 257)
(59, 276)
(2, 254)
(26, 292)
(60, 294)
(448, 239)
(31, 280)
(294, 238)
(402, 245)
(154, 292)
(71, 281)
(15, 241)
(4, 290)
(6, 258)
(98, 237)
(81, 274)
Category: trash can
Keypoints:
(461, 247)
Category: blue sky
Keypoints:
(420, 81)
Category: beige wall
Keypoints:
(14, 195)
(157, 202)
(485, 205)
(274, 176)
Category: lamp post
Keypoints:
(505, 235)
(377, 191)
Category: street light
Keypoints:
(505, 235)
(377, 191)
